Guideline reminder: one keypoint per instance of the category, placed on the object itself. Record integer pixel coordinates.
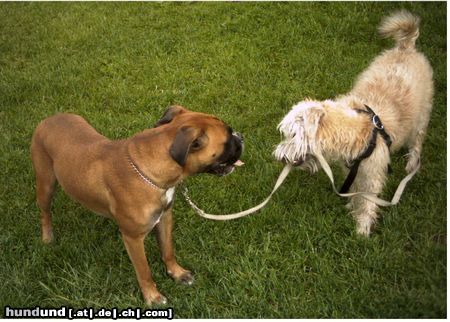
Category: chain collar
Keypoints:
(146, 179)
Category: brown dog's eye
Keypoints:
(196, 145)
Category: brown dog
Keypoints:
(131, 181)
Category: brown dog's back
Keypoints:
(67, 130)
(64, 144)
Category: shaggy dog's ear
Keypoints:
(299, 127)
(313, 117)
(305, 115)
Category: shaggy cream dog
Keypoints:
(398, 87)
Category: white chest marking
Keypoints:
(166, 199)
(169, 195)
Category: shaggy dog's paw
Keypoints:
(363, 227)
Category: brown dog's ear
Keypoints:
(169, 114)
(188, 139)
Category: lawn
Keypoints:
(120, 65)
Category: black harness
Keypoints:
(354, 165)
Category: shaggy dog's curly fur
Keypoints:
(398, 86)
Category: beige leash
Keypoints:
(284, 173)
(368, 195)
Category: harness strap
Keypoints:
(350, 177)
(355, 164)
(378, 128)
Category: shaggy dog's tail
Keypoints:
(403, 26)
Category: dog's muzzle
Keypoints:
(230, 158)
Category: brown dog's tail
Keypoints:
(403, 27)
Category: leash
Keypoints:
(284, 173)
(378, 129)
(371, 196)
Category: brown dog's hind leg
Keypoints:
(45, 187)
(136, 251)
(164, 231)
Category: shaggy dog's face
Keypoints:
(299, 128)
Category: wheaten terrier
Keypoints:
(395, 91)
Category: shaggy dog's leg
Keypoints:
(371, 177)
(415, 144)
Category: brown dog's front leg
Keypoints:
(164, 231)
(136, 251)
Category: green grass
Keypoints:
(120, 65)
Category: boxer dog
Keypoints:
(131, 181)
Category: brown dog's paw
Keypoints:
(187, 278)
(157, 300)
(47, 238)
(184, 277)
